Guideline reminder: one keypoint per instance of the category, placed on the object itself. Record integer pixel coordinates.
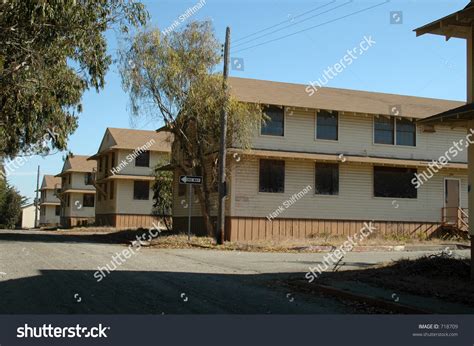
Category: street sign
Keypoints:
(190, 179)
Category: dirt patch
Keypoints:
(439, 276)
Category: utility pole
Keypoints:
(36, 198)
(220, 229)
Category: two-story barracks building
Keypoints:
(327, 163)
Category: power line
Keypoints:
(312, 27)
(293, 24)
(285, 21)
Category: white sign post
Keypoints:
(190, 180)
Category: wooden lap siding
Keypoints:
(251, 228)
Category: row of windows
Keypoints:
(88, 200)
(141, 190)
(387, 130)
(392, 182)
(141, 160)
(87, 179)
(57, 210)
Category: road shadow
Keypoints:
(119, 237)
(150, 292)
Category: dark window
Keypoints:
(394, 182)
(111, 192)
(112, 160)
(88, 178)
(272, 176)
(383, 130)
(106, 164)
(275, 122)
(104, 187)
(88, 200)
(327, 179)
(101, 164)
(143, 160)
(406, 132)
(141, 190)
(68, 200)
(327, 125)
(58, 210)
(69, 178)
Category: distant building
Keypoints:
(77, 192)
(28, 216)
(49, 203)
(125, 174)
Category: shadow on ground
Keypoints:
(120, 237)
(146, 292)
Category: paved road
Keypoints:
(47, 273)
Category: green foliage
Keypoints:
(173, 77)
(51, 51)
(10, 205)
(163, 194)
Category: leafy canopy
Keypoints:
(173, 78)
(51, 51)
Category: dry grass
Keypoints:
(320, 242)
(439, 276)
(314, 244)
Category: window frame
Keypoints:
(395, 142)
(316, 193)
(88, 179)
(111, 190)
(316, 126)
(135, 182)
(148, 159)
(87, 205)
(414, 132)
(393, 197)
(260, 171)
(283, 108)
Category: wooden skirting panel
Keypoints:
(126, 220)
(249, 228)
(68, 222)
(243, 228)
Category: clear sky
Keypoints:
(398, 62)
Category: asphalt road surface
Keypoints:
(48, 273)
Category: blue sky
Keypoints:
(398, 63)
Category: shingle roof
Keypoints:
(77, 163)
(50, 182)
(133, 139)
(295, 95)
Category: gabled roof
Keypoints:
(459, 116)
(131, 139)
(458, 24)
(77, 163)
(345, 100)
(50, 182)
